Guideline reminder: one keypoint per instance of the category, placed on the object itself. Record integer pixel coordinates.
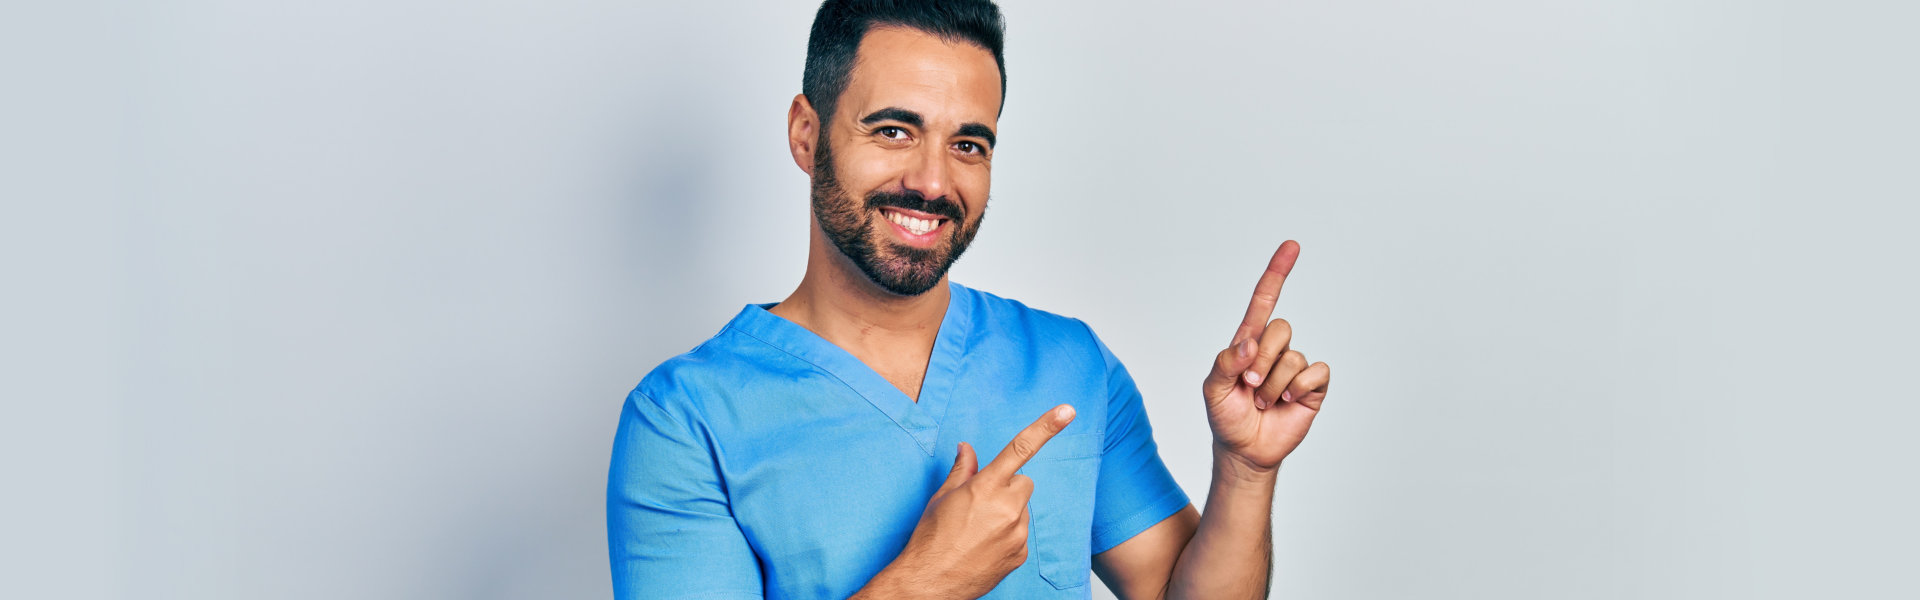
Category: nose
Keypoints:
(928, 172)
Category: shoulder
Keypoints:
(683, 386)
(1042, 330)
(1005, 314)
(1068, 333)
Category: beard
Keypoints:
(850, 225)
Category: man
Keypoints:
(826, 446)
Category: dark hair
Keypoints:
(841, 24)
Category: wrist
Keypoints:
(898, 580)
(1235, 471)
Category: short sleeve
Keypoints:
(1135, 491)
(670, 529)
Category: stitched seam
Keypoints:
(1155, 504)
(830, 373)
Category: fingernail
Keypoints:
(1253, 378)
(1064, 412)
(1246, 348)
(1260, 403)
(1286, 395)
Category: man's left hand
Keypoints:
(1262, 394)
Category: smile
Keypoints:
(914, 223)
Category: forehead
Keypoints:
(907, 68)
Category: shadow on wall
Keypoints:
(648, 290)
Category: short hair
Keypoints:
(841, 24)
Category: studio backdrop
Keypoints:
(342, 299)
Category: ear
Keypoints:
(803, 131)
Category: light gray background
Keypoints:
(341, 299)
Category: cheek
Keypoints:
(861, 171)
(973, 190)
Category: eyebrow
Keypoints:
(895, 113)
(979, 131)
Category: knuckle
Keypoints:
(1021, 447)
(1004, 519)
(1266, 354)
(1280, 327)
(1021, 483)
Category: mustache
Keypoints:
(912, 200)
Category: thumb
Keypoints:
(1227, 369)
(965, 464)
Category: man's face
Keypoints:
(901, 174)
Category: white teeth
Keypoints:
(913, 225)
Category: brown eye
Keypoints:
(892, 133)
(970, 148)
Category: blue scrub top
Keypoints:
(768, 462)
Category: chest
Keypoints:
(829, 488)
(905, 370)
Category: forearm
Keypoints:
(1231, 553)
(888, 584)
(908, 579)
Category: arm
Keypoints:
(1261, 398)
(670, 528)
(1231, 555)
(1227, 553)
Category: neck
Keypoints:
(836, 301)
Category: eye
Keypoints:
(970, 148)
(891, 132)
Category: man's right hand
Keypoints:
(974, 530)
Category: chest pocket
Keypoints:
(1060, 542)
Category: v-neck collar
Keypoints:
(920, 420)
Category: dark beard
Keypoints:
(901, 270)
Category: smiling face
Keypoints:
(901, 173)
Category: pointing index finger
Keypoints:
(1027, 443)
(1267, 292)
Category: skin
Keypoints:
(949, 86)
(1261, 395)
